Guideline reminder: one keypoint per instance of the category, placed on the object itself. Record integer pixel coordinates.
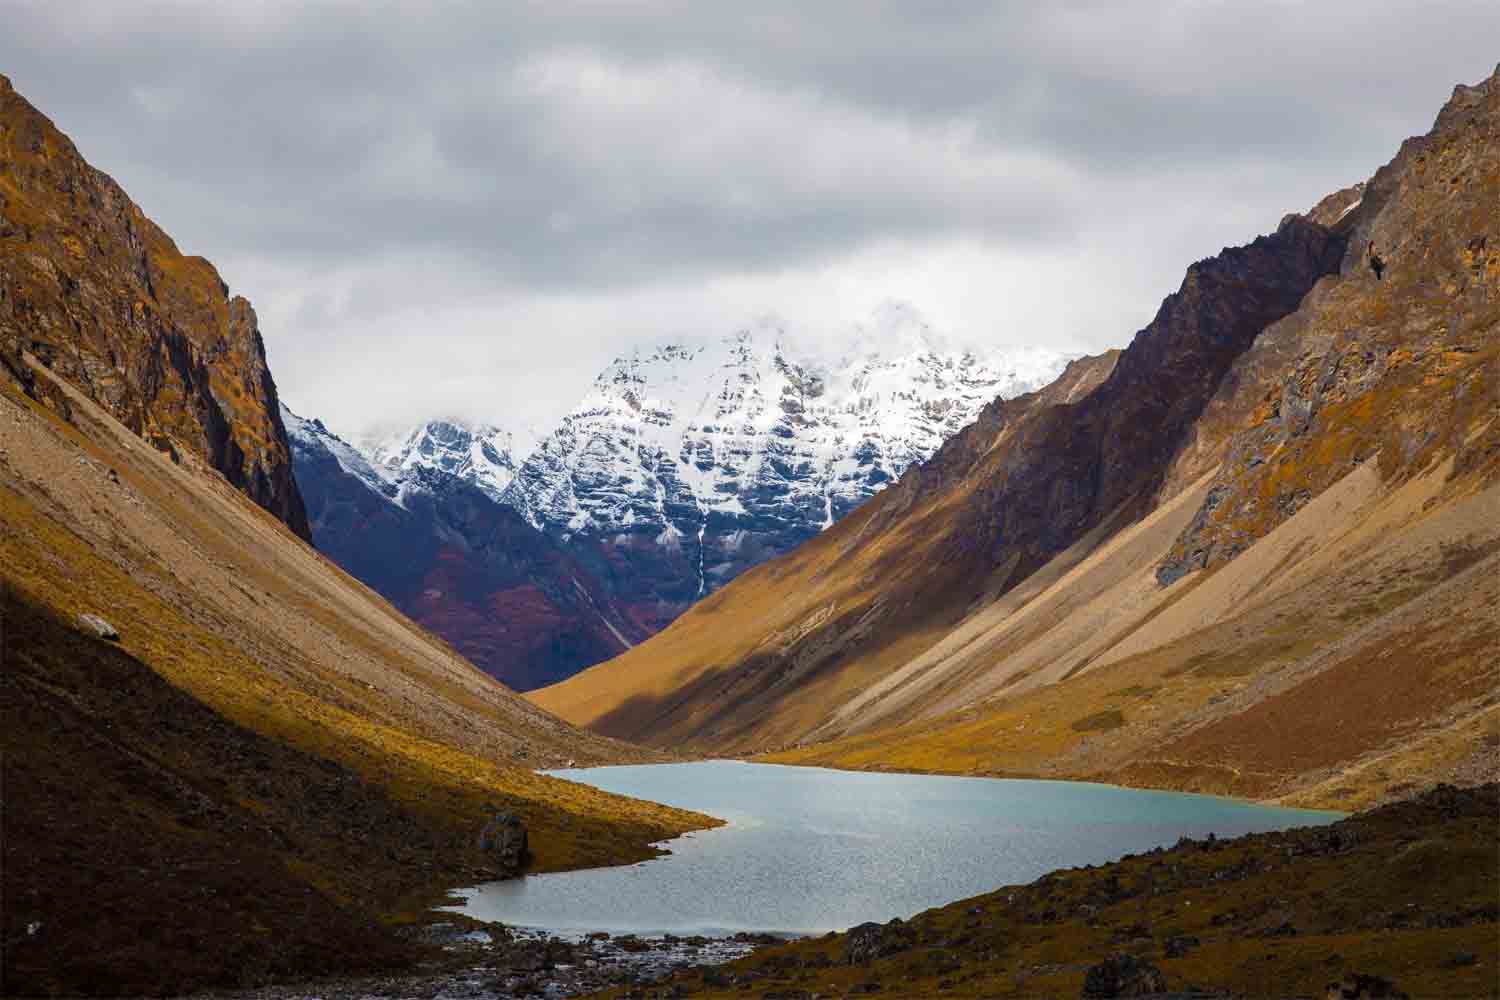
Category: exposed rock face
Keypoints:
(687, 465)
(1392, 368)
(455, 560)
(100, 295)
(1359, 986)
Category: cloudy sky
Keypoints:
(469, 208)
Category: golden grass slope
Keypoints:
(219, 600)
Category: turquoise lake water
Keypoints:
(809, 850)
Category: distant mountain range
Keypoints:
(451, 556)
(681, 468)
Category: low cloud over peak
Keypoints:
(468, 208)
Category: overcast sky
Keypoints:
(468, 209)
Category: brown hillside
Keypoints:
(97, 293)
(270, 769)
(1167, 574)
(268, 751)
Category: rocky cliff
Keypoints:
(454, 559)
(96, 292)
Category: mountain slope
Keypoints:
(456, 560)
(100, 295)
(687, 465)
(251, 766)
(1159, 575)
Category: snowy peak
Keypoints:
(483, 454)
(311, 441)
(698, 459)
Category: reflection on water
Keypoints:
(809, 850)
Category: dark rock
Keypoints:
(1123, 976)
(1358, 986)
(1180, 945)
(504, 839)
(869, 941)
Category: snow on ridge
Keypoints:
(756, 429)
(311, 435)
(483, 454)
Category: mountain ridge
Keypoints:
(1150, 601)
(448, 554)
(96, 292)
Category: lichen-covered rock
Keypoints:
(1359, 986)
(503, 839)
(866, 942)
(1400, 369)
(1123, 976)
(94, 291)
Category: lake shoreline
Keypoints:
(1402, 894)
(812, 850)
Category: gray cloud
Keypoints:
(530, 188)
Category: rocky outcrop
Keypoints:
(517, 604)
(504, 843)
(1360, 986)
(1399, 368)
(870, 941)
(1123, 975)
(96, 292)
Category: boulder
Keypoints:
(504, 840)
(869, 941)
(1358, 986)
(1180, 945)
(1123, 976)
(96, 626)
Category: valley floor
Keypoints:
(1405, 895)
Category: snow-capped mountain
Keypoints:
(519, 604)
(312, 438)
(484, 454)
(686, 465)
(693, 462)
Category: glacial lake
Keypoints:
(809, 850)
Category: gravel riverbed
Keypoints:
(500, 963)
